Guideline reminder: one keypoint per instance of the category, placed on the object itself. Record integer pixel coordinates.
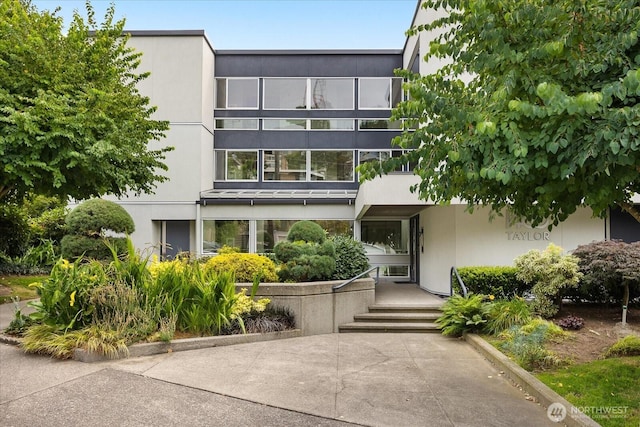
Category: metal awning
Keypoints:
(277, 196)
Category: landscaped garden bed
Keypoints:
(562, 322)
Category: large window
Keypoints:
(270, 232)
(332, 165)
(336, 165)
(285, 94)
(238, 93)
(305, 94)
(219, 233)
(236, 165)
(331, 94)
(285, 165)
(379, 93)
(385, 237)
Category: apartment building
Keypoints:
(267, 138)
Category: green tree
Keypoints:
(72, 122)
(536, 107)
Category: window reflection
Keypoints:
(219, 233)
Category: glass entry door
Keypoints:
(387, 245)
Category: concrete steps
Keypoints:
(396, 318)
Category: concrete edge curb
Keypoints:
(530, 384)
(186, 344)
(8, 339)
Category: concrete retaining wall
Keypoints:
(316, 307)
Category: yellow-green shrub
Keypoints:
(243, 304)
(244, 266)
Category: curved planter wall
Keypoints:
(317, 308)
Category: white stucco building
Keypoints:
(266, 138)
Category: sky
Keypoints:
(264, 24)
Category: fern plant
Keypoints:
(462, 314)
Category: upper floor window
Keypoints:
(308, 165)
(237, 124)
(236, 165)
(237, 93)
(377, 124)
(307, 124)
(308, 94)
(379, 93)
(331, 166)
(285, 165)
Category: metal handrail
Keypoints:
(454, 270)
(336, 287)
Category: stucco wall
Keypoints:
(454, 237)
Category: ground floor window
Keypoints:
(271, 231)
(219, 233)
(385, 237)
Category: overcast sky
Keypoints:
(266, 24)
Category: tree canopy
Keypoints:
(535, 109)
(72, 121)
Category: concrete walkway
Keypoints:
(323, 380)
(389, 292)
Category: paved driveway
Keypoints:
(364, 379)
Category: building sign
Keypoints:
(521, 230)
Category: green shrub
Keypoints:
(50, 225)
(307, 231)
(550, 273)
(462, 314)
(245, 266)
(87, 226)
(286, 251)
(627, 346)
(76, 246)
(46, 218)
(351, 258)
(96, 216)
(306, 255)
(14, 229)
(499, 281)
(504, 314)
(306, 268)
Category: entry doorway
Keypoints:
(175, 238)
(386, 243)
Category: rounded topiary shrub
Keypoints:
(96, 216)
(351, 258)
(286, 251)
(306, 231)
(308, 268)
(245, 266)
(87, 226)
(306, 255)
(75, 246)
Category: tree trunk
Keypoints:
(4, 190)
